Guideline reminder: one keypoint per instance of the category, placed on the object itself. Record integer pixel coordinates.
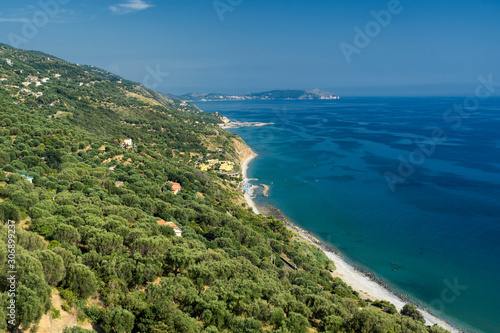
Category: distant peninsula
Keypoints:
(315, 94)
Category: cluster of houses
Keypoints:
(221, 167)
(29, 81)
(36, 80)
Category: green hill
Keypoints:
(86, 203)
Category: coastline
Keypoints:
(365, 283)
(248, 189)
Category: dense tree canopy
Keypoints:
(87, 207)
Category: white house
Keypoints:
(9, 62)
(28, 178)
(177, 230)
(127, 143)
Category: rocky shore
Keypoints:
(265, 190)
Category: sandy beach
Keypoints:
(367, 287)
(248, 194)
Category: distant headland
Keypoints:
(315, 94)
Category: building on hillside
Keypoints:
(204, 167)
(232, 174)
(32, 78)
(128, 144)
(226, 166)
(213, 162)
(45, 79)
(176, 187)
(177, 230)
(57, 75)
(28, 178)
(8, 61)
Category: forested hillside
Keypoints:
(86, 161)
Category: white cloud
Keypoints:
(129, 7)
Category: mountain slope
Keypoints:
(91, 173)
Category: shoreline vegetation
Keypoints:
(365, 283)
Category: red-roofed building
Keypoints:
(178, 231)
(176, 187)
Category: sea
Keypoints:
(405, 188)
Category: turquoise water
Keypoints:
(435, 236)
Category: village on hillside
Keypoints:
(30, 79)
(224, 168)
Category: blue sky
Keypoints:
(427, 48)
